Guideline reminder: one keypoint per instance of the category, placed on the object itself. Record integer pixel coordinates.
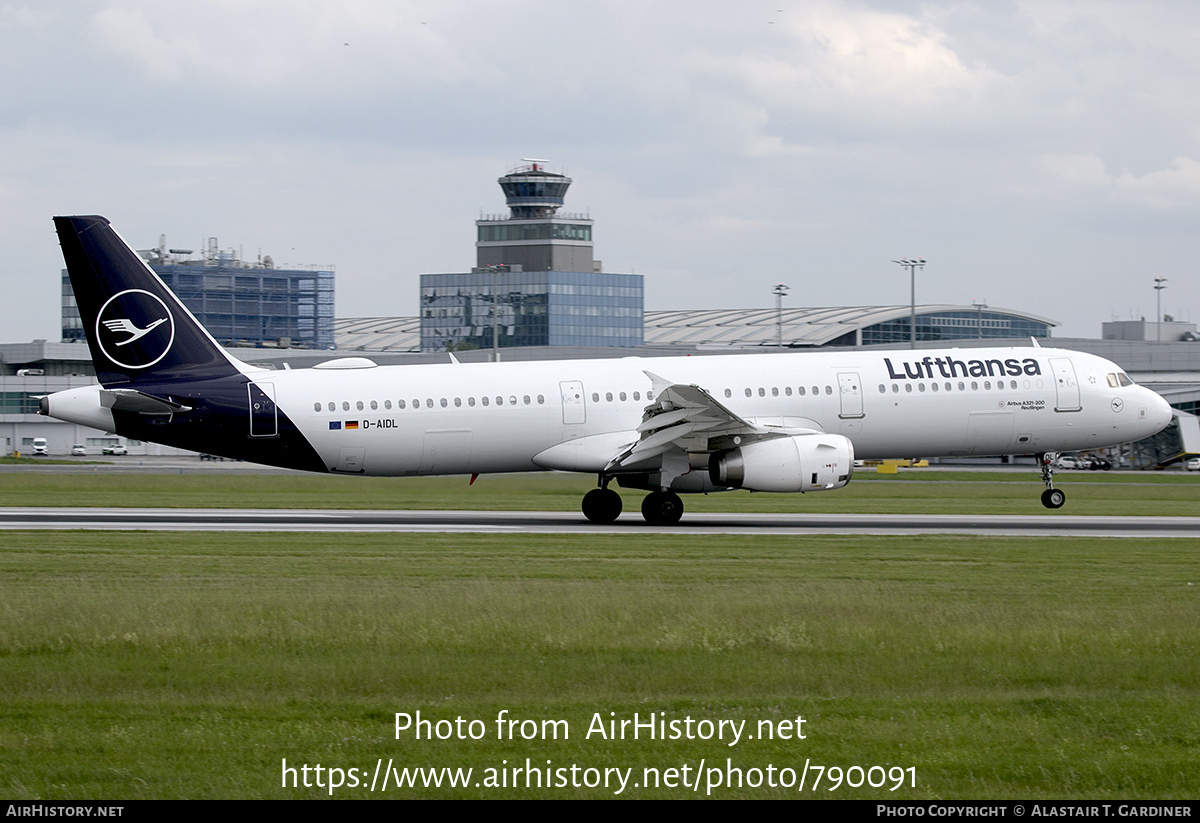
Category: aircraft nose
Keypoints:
(1159, 411)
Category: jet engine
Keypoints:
(800, 463)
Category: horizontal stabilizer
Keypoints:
(131, 400)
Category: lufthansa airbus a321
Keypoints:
(671, 425)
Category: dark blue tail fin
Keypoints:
(137, 329)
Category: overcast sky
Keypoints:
(1042, 156)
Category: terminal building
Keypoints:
(839, 326)
(536, 281)
(241, 303)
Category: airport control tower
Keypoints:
(534, 237)
(535, 281)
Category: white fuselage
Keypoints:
(498, 417)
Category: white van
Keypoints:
(40, 446)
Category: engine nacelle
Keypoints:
(802, 463)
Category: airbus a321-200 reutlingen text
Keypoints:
(670, 425)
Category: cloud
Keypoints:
(1023, 148)
(1174, 187)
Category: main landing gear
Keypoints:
(662, 508)
(1052, 498)
(603, 506)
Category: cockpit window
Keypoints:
(1119, 379)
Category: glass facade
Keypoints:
(243, 306)
(20, 402)
(534, 308)
(514, 231)
(952, 325)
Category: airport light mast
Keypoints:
(912, 266)
(1158, 290)
(979, 307)
(779, 291)
(495, 269)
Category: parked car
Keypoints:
(117, 449)
(1073, 461)
(78, 450)
(1100, 463)
(40, 446)
(1193, 465)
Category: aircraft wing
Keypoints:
(684, 419)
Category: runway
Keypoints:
(331, 520)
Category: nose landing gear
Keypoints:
(1052, 498)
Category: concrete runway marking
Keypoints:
(309, 520)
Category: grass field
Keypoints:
(923, 492)
(191, 665)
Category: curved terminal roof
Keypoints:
(716, 328)
(836, 325)
(377, 333)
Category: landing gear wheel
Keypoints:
(662, 508)
(602, 506)
(1054, 498)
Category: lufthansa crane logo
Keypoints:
(135, 329)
